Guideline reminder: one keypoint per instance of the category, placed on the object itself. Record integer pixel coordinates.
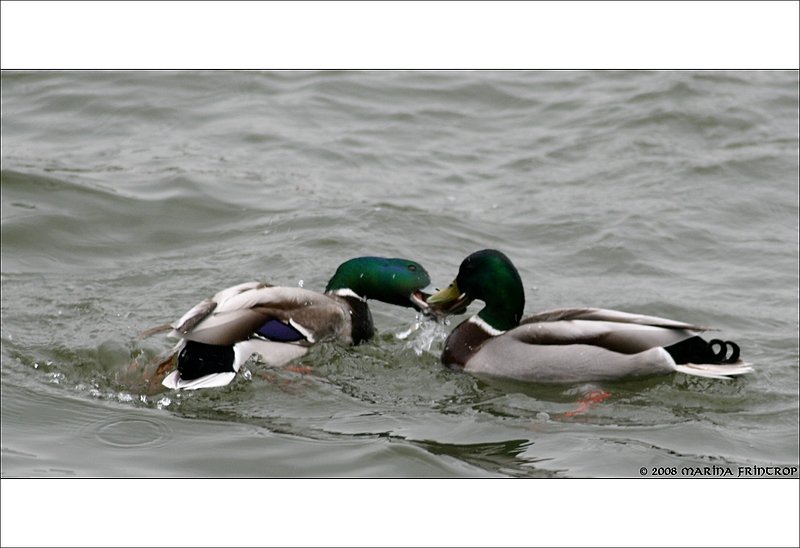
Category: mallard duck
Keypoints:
(569, 344)
(280, 323)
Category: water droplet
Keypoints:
(300, 283)
(542, 416)
(56, 378)
(247, 375)
(163, 402)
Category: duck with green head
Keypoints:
(280, 324)
(568, 344)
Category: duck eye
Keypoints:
(412, 268)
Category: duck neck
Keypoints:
(361, 327)
(466, 340)
(492, 278)
(503, 314)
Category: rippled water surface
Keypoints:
(127, 197)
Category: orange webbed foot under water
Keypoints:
(588, 401)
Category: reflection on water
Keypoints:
(506, 456)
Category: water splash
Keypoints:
(428, 332)
(405, 333)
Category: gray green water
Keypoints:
(129, 196)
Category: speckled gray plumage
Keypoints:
(579, 345)
(238, 314)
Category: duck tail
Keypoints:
(174, 381)
(715, 371)
(201, 365)
(715, 359)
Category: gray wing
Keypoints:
(201, 310)
(240, 314)
(578, 350)
(194, 316)
(625, 338)
(607, 315)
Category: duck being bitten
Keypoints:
(280, 324)
(569, 344)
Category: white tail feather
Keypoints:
(715, 371)
(174, 381)
(273, 353)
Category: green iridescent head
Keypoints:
(393, 281)
(488, 276)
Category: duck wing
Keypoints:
(616, 336)
(201, 310)
(607, 315)
(286, 313)
(580, 350)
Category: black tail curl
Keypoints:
(696, 350)
(722, 353)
